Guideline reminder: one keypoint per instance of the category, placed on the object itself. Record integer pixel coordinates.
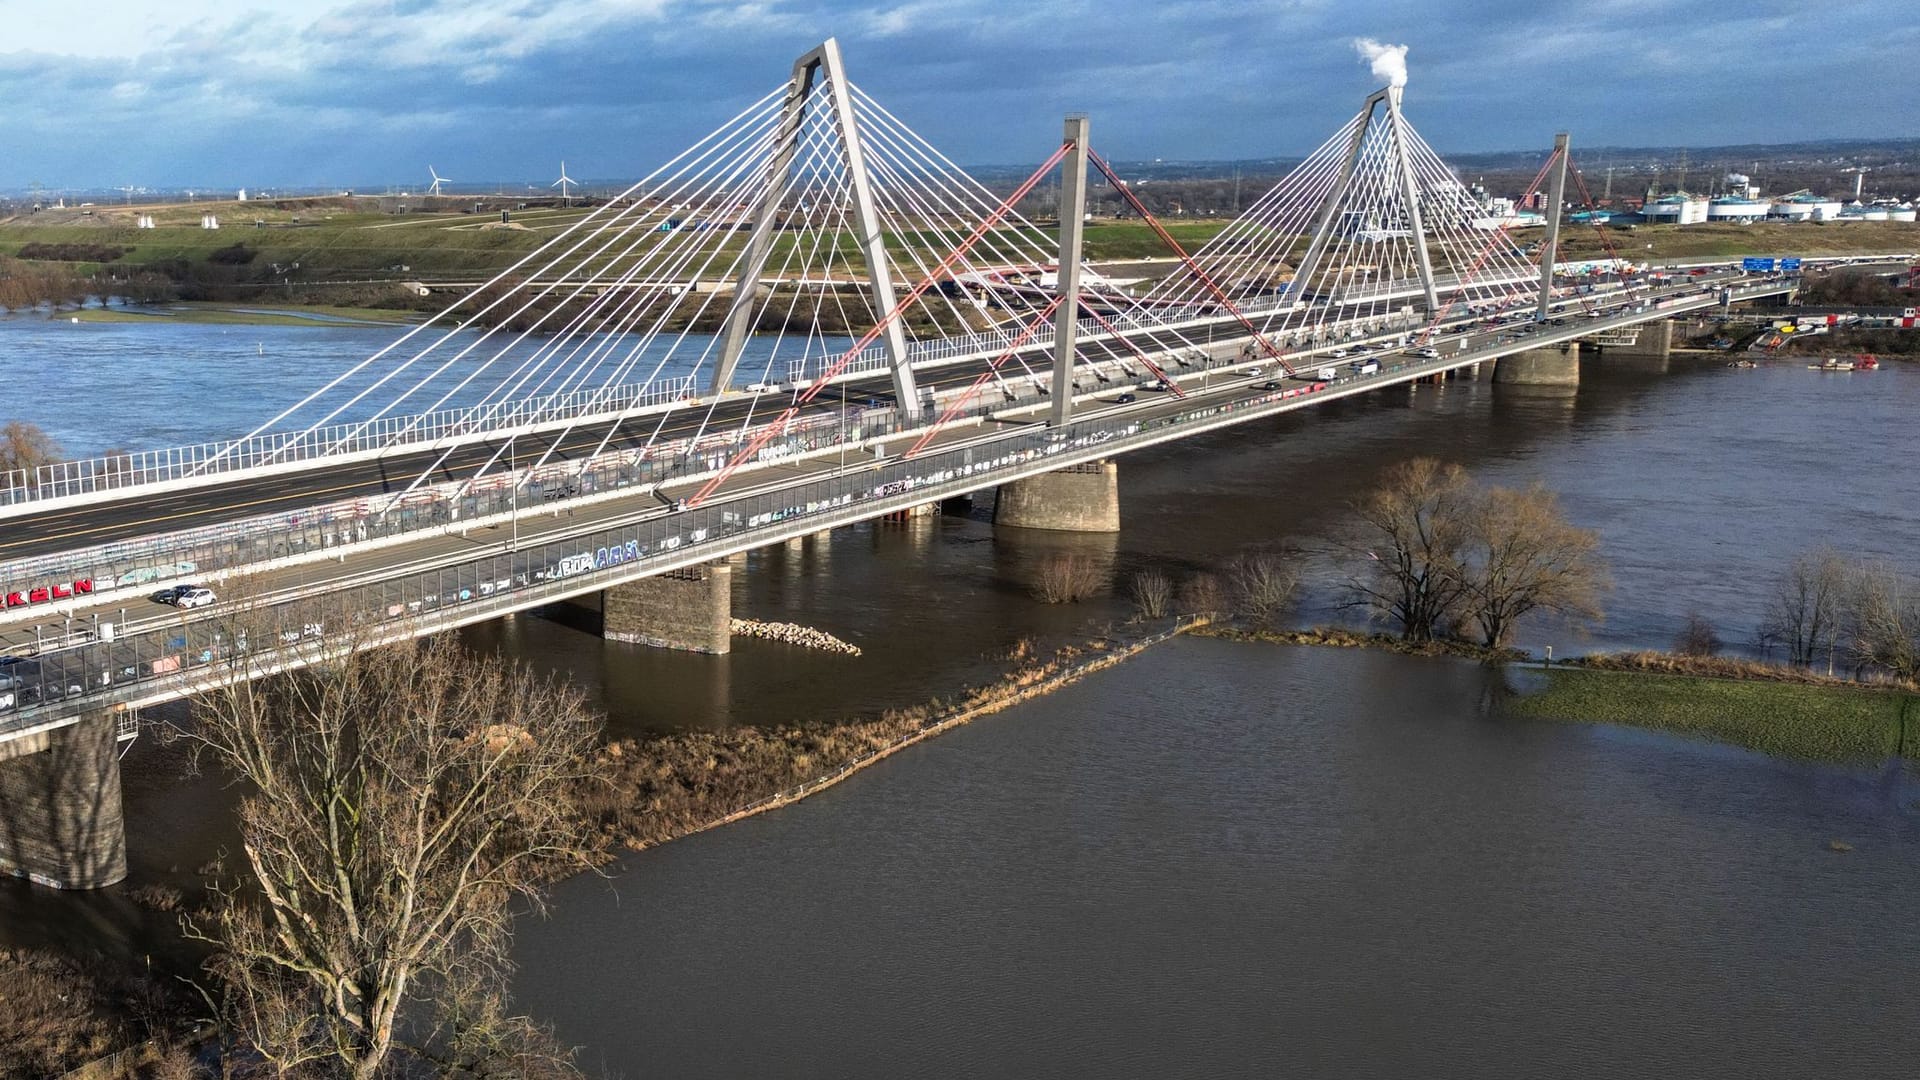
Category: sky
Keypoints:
(315, 93)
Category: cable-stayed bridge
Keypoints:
(809, 318)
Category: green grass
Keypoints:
(1765, 238)
(1820, 723)
(255, 315)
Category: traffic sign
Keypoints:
(1790, 264)
(1751, 263)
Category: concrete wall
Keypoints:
(60, 814)
(1555, 365)
(1084, 498)
(687, 609)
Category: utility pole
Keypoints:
(1549, 249)
(1066, 283)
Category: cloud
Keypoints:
(358, 92)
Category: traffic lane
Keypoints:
(440, 548)
(103, 523)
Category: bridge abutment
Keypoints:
(690, 609)
(60, 813)
(1081, 498)
(1555, 365)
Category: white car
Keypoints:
(195, 597)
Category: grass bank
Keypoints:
(1817, 721)
(248, 315)
(687, 782)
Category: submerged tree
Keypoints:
(1417, 521)
(398, 800)
(1806, 607)
(1521, 555)
(1883, 620)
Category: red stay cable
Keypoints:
(1486, 250)
(767, 433)
(962, 401)
(1186, 259)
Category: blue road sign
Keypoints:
(1790, 264)
(1756, 264)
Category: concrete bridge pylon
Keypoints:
(61, 820)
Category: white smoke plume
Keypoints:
(1389, 62)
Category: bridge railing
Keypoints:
(136, 468)
(215, 548)
(88, 675)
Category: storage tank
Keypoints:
(1737, 209)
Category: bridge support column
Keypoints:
(689, 609)
(1654, 343)
(900, 517)
(1555, 365)
(60, 814)
(1080, 498)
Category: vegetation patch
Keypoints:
(58, 1013)
(1841, 724)
(1340, 638)
(677, 784)
(95, 253)
(238, 254)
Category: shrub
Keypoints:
(1152, 594)
(1697, 637)
(1067, 579)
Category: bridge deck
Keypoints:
(446, 578)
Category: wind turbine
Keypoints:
(565, 184)
(434, 189)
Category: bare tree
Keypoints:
(1418, 523)
(1262, 582)
(1883, 617)
(1806, 607)
(25, 446)
(1697, 637)
(1067, 579)
(1152, 593)
(398, 799)
(1522, 555)
(1202, 594)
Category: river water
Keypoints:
(1220, 858)
(1242, 860)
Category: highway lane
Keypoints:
(445, 548)
(147, 513)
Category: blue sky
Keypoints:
(242, 92)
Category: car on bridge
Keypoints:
(186, 596)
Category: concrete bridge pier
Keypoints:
(1555, 365)
(689, 609)
(60, 813)
(1079, 498)
(1649, 352)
